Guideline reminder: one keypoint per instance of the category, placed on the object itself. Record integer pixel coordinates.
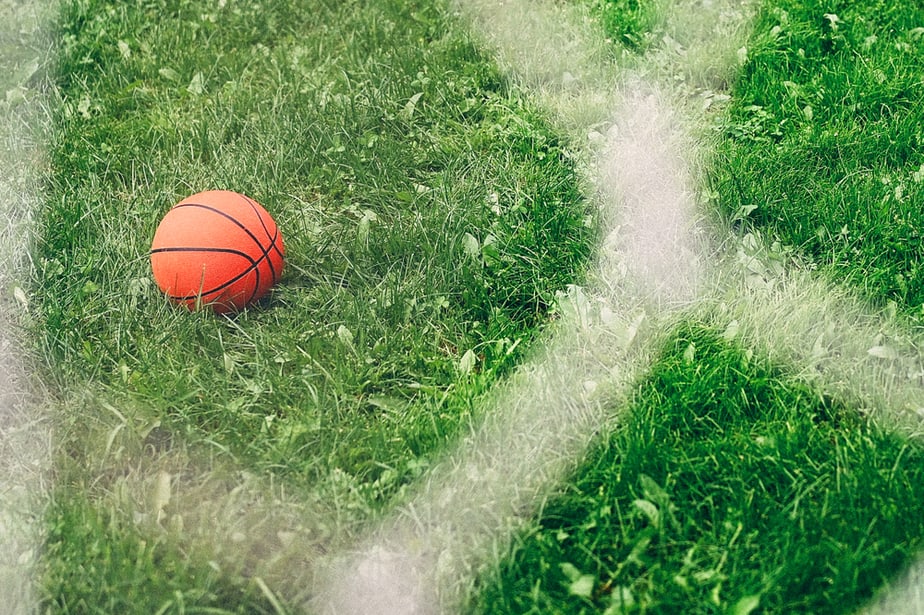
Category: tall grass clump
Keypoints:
(629, 22)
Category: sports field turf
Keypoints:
(432, 214)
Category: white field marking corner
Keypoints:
(540, 422)
(657, 252)
(654, 263)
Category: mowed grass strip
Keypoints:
(429, 216)
(729, 486)
(822, 148)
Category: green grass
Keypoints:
(430, 214)
(384, 153)
(822, 144)
(732, 487)
(629, 22)
(104, 564)
(729, 485)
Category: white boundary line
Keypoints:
(540, 422)
(418, 561)
(653, 264)
(24, 427)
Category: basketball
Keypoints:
(217, 249)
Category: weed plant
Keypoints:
(629, 22)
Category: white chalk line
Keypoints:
(653, 264)
(537, 425)
(24, 426)
(494, 480)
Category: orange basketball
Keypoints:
(217, 248)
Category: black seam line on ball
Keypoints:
(254, 266)
(272, 246)
(264, 251)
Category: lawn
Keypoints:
(431, 214)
